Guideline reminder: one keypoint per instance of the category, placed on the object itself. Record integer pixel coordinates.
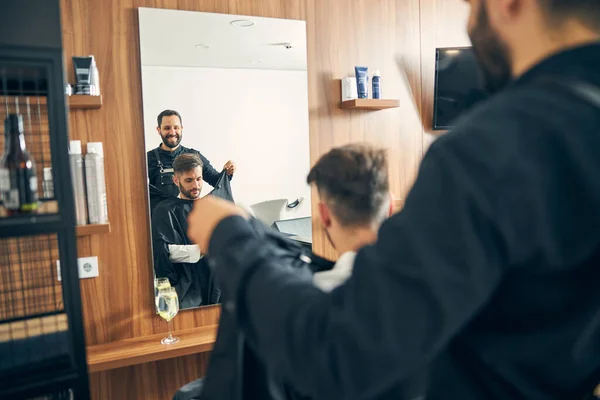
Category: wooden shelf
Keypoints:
(94, 229)
(124, 353)
(369, 104)
(80, 101)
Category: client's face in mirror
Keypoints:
(170, 131)
(189, 183)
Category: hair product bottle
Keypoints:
(96, 186)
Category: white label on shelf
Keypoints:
(4, 179)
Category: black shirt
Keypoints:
(488, 279)
(158, 192)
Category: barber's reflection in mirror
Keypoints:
(175, 256)
(160, 159)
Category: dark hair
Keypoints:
(587, 11)
(353, 181)
(186, 162)
(168, 113)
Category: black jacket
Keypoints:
(488, 278)
(234, 372)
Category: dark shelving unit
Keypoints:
(42, 345)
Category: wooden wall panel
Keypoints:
(382, 34)
(151, 381)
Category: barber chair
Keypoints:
(279, 209)
(269, 211)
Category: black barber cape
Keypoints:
(488, 277)
(194, 283)
(222, 187)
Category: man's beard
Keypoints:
(492, 54)
(188, 193)
(165, 140)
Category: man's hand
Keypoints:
(205, 217)
(230, 167)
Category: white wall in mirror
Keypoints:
(258, 118)
(242, 93)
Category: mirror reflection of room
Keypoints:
(225, 103)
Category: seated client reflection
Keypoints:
(175, 256)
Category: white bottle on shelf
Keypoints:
(96, 186)
(94, 78)
(78, 177)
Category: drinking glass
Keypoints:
(168, 306)
(160, 283)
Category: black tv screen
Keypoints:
(458, 85)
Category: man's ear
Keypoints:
(158, 130)
(324, 215)
(391, 207)
(176, 179)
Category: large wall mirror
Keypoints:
(225, 105)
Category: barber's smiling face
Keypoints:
(190, 183)
(171, 131)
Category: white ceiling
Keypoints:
(171, 37)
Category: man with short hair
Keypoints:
(354, 200)
(175, 256)
(160, 159)
(488, 277)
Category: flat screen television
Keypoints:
(458, 85)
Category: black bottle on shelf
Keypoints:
(18, 180)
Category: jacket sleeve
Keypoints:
(184, 253)
(433, 266)
(164, 234)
